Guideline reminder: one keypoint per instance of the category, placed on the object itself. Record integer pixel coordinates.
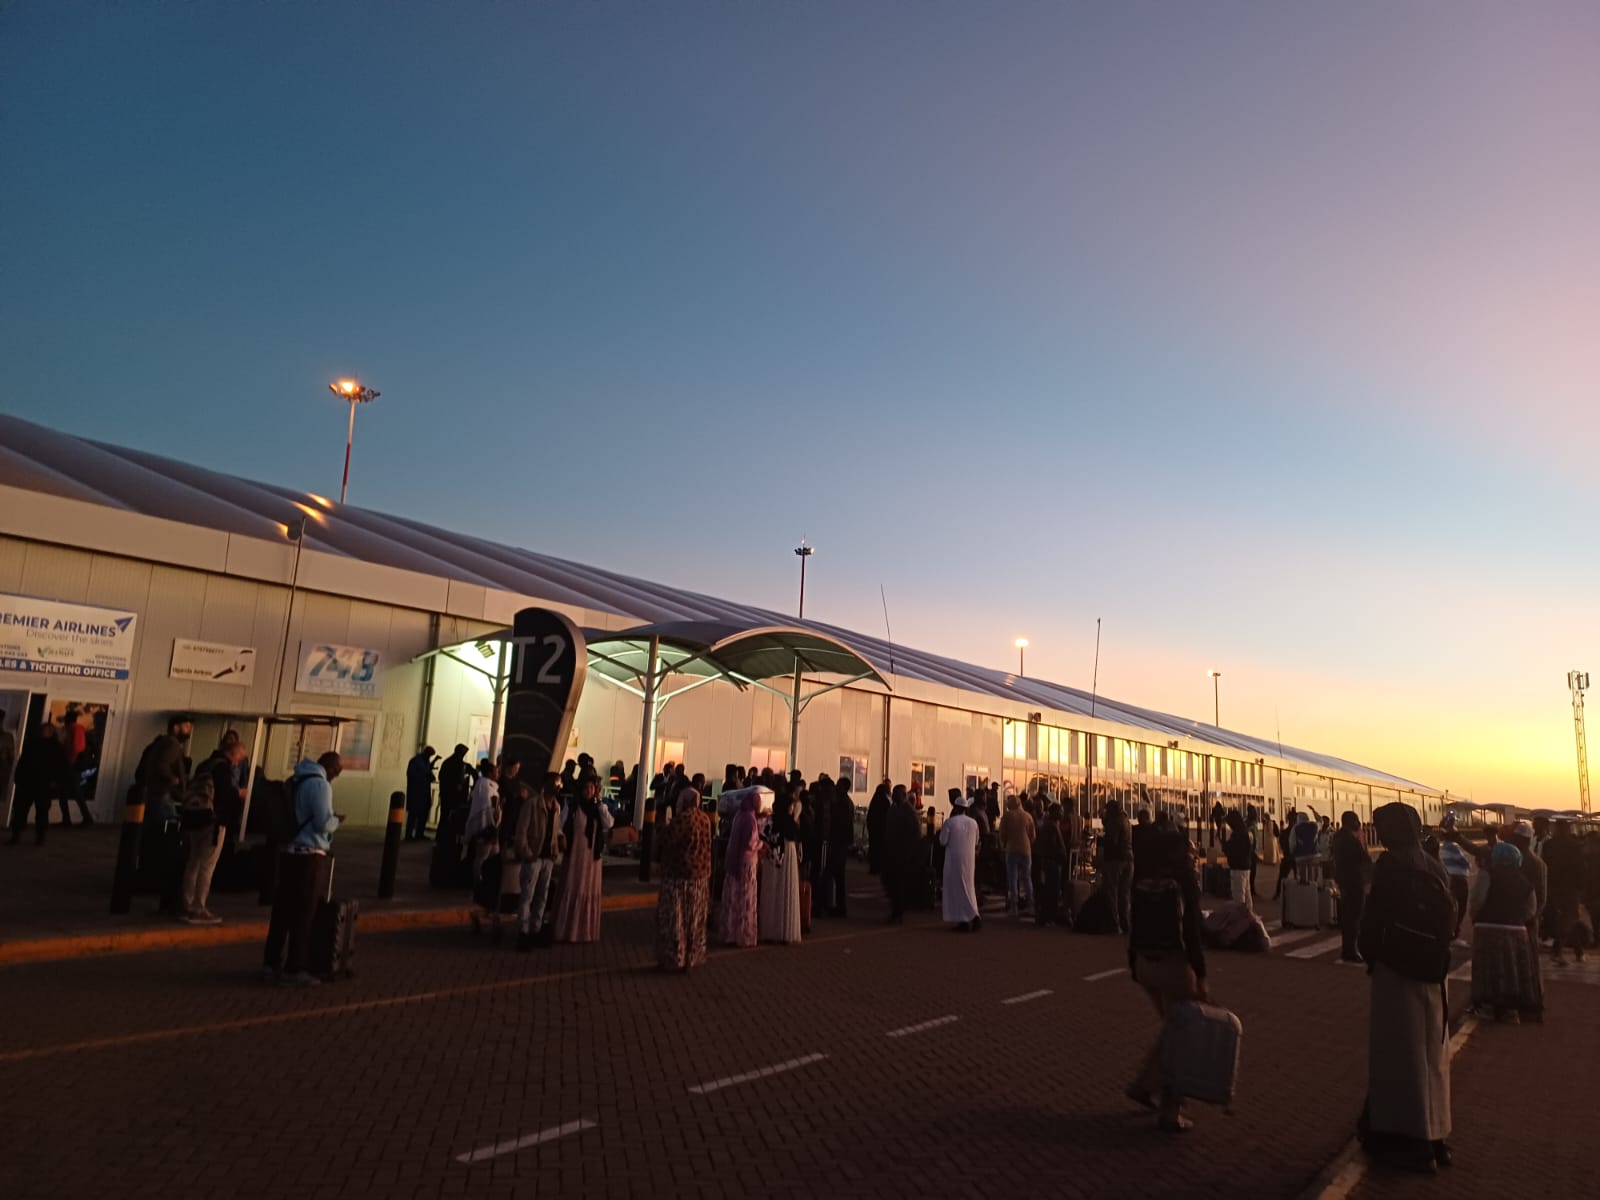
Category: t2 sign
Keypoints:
(549, 660)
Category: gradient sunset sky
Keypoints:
(1270, 334)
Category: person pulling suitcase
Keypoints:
(305, 866)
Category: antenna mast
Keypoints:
(1578, 683)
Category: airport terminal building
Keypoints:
(133, 586)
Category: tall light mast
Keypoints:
(1578, 683)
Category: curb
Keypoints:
(141, 941)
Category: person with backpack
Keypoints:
(1166, 955)
(1406, 932)
(161, 778)
(1303, 840)
(304, 869)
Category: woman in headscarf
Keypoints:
(1407, 1115)
(1505, 970)
(737, 924)
(578, 913)
(685, 886)
(877, 814)
(780, 874)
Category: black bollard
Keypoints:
(127, 871)
(391, 845)
(647, 838)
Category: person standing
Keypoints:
(1241, 855)
(452, 786)
(685, 887)
(578, 912)
(419, 794)
(1219, 823)
(304, 871)
(877, 814)
(1563, 858)
(1505, 960)
(41, 777)
(1285, 852)
(737, 924)
(902, 854)
(1406, 1120)
(1116, 864)
(1166, 957)
(1050, 863)
(535, 843)
(1352, 868)
(162, 775)
(75, 741)
(841, 839)
(779, 908)
(959, 837)
(1017, 833)
(483, 818)
(1457, 864)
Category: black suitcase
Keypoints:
(1217, 882)
(333, 938)
(1096, 915)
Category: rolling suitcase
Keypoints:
(332, 950)
(333, 938)
(1300, 905)
(1328, 903)
(1200, 1052)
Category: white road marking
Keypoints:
(921, 1026)
(1317, 948)
(716, 1085)
(1026, 996)
(1099, 975)
(1293, 936)
(522, 1143)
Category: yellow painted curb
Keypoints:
(190, 937)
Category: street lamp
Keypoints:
(805, 552)
(1216, 707)
(353, 393)
(1022, 649)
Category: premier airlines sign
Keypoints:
(47, 637)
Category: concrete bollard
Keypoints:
(127, 871)
(391, 845)
(647, 839)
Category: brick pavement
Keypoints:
(442, 1046)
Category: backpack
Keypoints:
(1157, 912)
(1416, 936)
(197, 811)
(1304, 839)
(289, 822)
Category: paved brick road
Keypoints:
(443, 1046)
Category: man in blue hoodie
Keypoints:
(303, 867)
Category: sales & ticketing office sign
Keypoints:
(49, 637)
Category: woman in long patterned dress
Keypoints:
(737, 925)
(578, 912)
(685, 886)
(780, 876)
(1505, 967)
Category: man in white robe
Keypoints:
(959, 837)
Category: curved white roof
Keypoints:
(45, 460)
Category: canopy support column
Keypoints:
(256, 750)
(647, 734)
(499, 710)
(794, 721)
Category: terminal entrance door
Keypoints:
(84, 713)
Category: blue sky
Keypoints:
(1264, 333)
